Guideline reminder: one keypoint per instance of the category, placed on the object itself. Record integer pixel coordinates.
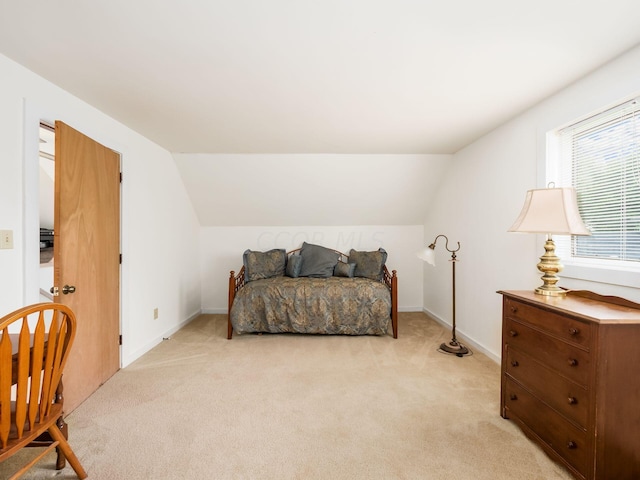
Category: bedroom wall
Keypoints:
(341, 201)
(160, 231)
(483, 193)
(222, 249)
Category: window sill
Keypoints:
(621, 277)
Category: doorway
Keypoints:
(79, 250)
(46, 186)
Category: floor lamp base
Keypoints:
(454, 348)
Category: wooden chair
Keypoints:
(34, 345)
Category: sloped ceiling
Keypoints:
(312, 190)
(309, 76)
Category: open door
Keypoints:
(87, 258)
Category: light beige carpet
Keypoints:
(199, 406)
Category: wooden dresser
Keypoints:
(571, 379)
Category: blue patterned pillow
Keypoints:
(343, 269)
(294, 263)
(317, 261)
(258, 265)
(368, 264)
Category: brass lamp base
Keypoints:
(551, 292)
(454, 348)
(550, 265)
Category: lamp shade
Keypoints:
(428, 255)
(550, 211)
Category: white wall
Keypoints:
(222, 249)
(160, 231)
(311, 189)
(483, 193)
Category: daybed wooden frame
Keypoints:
(390, 279)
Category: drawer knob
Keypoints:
(572, 362)
(572, 400)
(574, 331)
(514, 309)
(513, 396)
(513, 333)
(571, 445)
(514, 363)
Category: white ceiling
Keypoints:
(315, 76)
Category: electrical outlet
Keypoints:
(6, 238)
(155, 313)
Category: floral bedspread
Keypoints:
(335, 305)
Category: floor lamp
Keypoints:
(428, 255)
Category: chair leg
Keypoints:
(61, 461)
(63, 445)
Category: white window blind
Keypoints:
(600, 158)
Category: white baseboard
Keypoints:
(461, 336)
(216, 311)
(224, 310)
(132, 357)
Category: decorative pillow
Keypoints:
(368, 264)
(317, 261)
(343, 269)
(294, 264)
(258, 265)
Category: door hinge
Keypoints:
(120, 340)
(120, 177)
(120, 259)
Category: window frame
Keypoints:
(616, 272)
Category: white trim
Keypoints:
(475, 347)
(133, 356)
(625, 278)
(214, 311)
(219, 311)
(623, 274)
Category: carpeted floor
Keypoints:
(300, 407)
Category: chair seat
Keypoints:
(28, 437)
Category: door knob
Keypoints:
(68, 289)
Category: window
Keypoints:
(600, 158)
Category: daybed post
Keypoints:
(232, 294)
(394, 303)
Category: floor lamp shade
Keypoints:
(550, 211)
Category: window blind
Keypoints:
(600, 158)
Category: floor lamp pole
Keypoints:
(428, 255)
(454, 347)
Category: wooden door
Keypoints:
(87, 257)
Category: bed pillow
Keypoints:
(368, 264)
(259, 265)
(343, 269)
(294, 263)
(317, 261)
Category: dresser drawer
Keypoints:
(565, 396)
(565, 328)
(564, 438)
(569, 360)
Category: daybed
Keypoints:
(313, 289)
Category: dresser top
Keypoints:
(584, 304)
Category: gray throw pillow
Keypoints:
(258, 265)
(317, 261)
(368, 264)
(343, 269)
(294, 263)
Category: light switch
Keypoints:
(6, 239)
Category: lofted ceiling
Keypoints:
(312, 76)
